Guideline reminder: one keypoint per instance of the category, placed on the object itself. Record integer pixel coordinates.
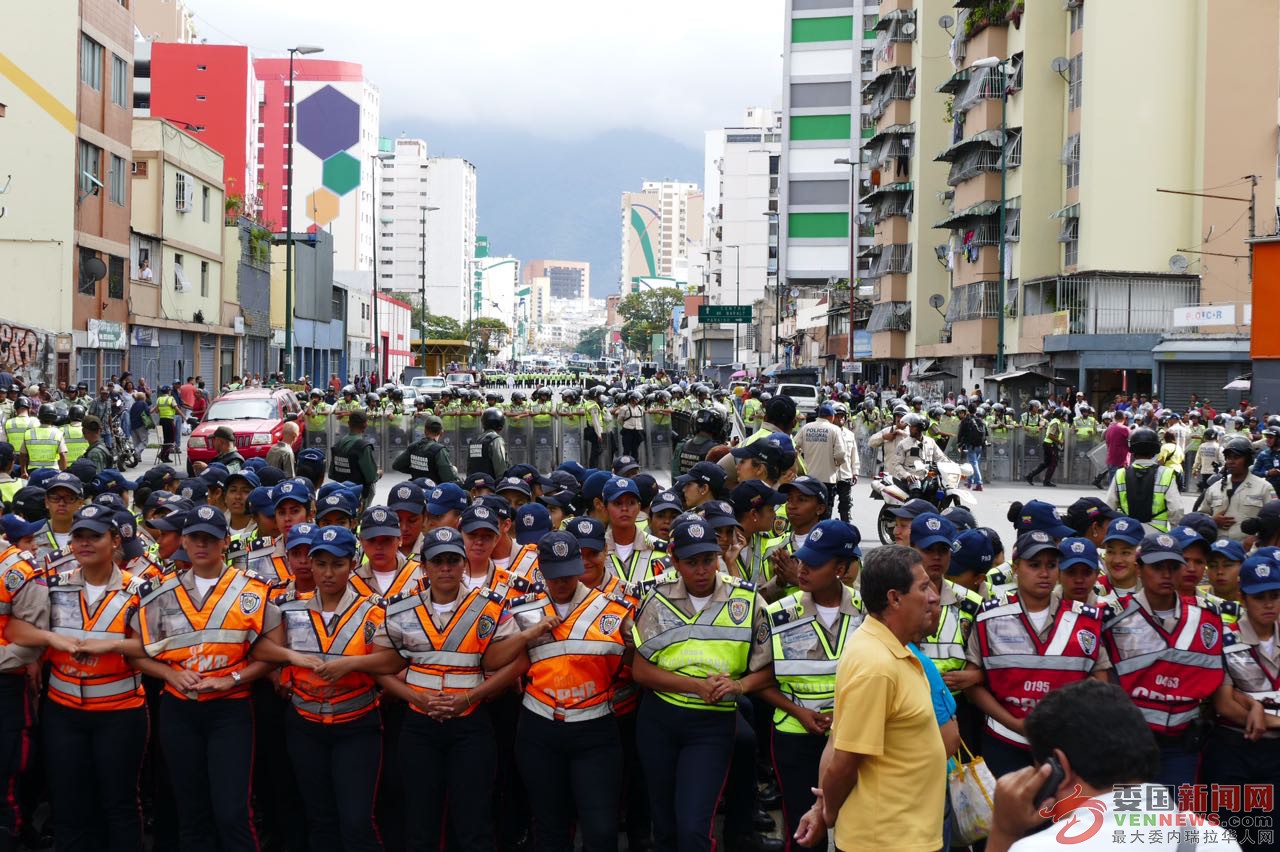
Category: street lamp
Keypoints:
(422, 276)
(305, 50)
(375, 158)
(737, 299)
(1001, 68)
(777, 293)
(853, 240)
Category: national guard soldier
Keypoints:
(1032, 421)
(73, 434)
(709, 428)
(544, 445)
(316, 417)
(428, 456)
(573, 420)
(353, 457)
(489, 454)
(18, 424)
(1146, 490)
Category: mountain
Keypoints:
(556, 198)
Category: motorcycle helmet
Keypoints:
(1034, 405)
(997, 409)
(936, 412)
(349, 390)
(635, 396)
(48, 414)
(710, 421)
(1238, 446)
(913, 421)
(396, 395)
(371, 400)
(1144, 443)
(492, 418)
(868, 405)
(917, 401)
(76, 413)
(662, 397)
(518, 397)
(493, 397)
(22, 402)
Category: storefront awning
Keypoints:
(1014, 375)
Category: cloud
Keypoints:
(559, 68)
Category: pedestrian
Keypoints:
(281, 453)
(885, 781)
(96, 450)
(1116, 437)
(1238, 495)
(971, 438)
(166, 410)
(140, 422)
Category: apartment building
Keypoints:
(661, 227)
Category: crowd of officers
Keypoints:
(533, 658)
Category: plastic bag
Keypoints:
(973, 790)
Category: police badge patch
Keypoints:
(369, 630)
(12, 579)
(1208, 635)
(762, 634)
(249, 603)
(485, 626)
(738, 611)
(1087, 641)
(609, 624)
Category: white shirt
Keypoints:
(385, 579)
(699, 604)
(624, 550)
(203, 585)
(828, 614)
(93, 593)
(1038, 619)
(63, 540)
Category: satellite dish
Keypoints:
(1178, 264)
(93, 269)
(936, 300)
(1059, 65)
(946, 22)
(908, 28)
(795, 292)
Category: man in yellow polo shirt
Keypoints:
(884, 786)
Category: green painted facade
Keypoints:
(817, 226)
(815, 127)
(806, 30)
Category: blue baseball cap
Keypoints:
(1259, 574)
(479, 480)
(254, 463)
(559, 499)
(112, 481)
(718, 514)
(830, 539)
(1039, 515)
(588, 531)
(57, 479)
(559, 556)
(269, 475)
(127, 524)
(330, 487)
(248, 474)
(527, 472)
(706, 473)
(765, 452)
(407, 497)
(1232, 551)
(513, 483)
(961, 517)
(339, 541)
(693, 537)
(442, 540)
(379, 521)
(15, 528)
(617, 487)
(1031, 543)
(1186, 537)
(83, 469)
(206, 519)
(930, 529)
(215, 474)
(593, 486)
(478, 517)
(754, 494)
(912, 508)
(297, 490)
(448, 497)
(300, 534)
(262, 501)
(562, 479)
(311, 455)
(575, 469)
(666, 501)
(972, 551)
(1126, 529)
(97, 519)
(106, 498)
(496, 503)
(339, 501)
(194, 489)
(533, 521)
(1077, 551)
(806, 485)
(625, 466)
(1160, 547)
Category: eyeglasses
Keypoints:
(62, 498)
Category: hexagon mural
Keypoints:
(323, 206)
(341, 173)
(328, 122)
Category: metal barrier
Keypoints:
(317, 432)
(866, 456)
(657, 430)
(571, 443)
(542, 441)
(468, 432)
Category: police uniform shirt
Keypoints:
(442, 615)
(1245, 501)
(641, 544)
(678, 595)
(929, 454)
(563, 611)
(270, 612)
(1268, 657)
(850, 605)
(29, 602)
(973, 649)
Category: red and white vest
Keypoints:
(1020, 668)
(1166, 674)
(1250, 676)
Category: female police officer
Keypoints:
(701, 639)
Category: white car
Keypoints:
(804, 396)
(428, 384)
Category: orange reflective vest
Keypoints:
(105, 682)
(444, 660)
(406, 582)
(626, 695)
(16, 570)
(352, 695)
(525, 564)
(214, 639)
(573, 674)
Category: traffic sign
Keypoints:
(736, 314)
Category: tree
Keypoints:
(591, 342)
(439, 327)
(645, 314)
(487, 333)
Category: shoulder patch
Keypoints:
(780, 617)
(397, 598)
(970, 606)
(286, 597)
(993, 603)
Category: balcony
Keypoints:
(896, 114)
(889, 260)
(897, 84)
(986, 39)
(890, 316)
(973, 162)
(1094, 303)
(889, 345)
(888, 7)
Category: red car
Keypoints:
(256, 415)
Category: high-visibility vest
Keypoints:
(1020, 669)
(1249, 675)
(804, 660)
(105, 681)
(214, 641)
(77, 444)
(350, 696)
(10, 488)
(1086, 427)
(572, 672)
(1164, 480)
(715, 641)
(16, 570)
(449, 660)
(946, 646)
(1167, 675)
(405, 582)
(639, 567)
(319, 416)
(15, 430)
(166, 407)
(42, 446)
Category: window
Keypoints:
(1013, 148)
(180, 283)
(119, 80)
(339, 303)
(1071, 159)
(183, 189)
(115, 181)
(204, 278)
(91, 56)
(87, 366)
(1075, 77)
(90, 165)
(204, 203)
(115, 278)
(139, 168)
(1070, 239)
(88, 285)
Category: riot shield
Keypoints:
(542, 443)
(682, 424)
(949, 426)
(1098, 458)
(866, 455)
(339, 426)
(519, 437)
(998, 462)
(469, 432)
(657, 427)
(1031, 454)
(1079, 459)
(449, 437)
(570, 441)
(398, 436)
(418, 425)
(318, 429)
(376, 435)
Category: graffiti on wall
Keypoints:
(21, 351)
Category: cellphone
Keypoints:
(1052, 783)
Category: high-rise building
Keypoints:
(659, 224)
(451, 233)
(401, 196)
(337, 113)
(570, 280)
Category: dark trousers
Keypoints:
(1049, 465)
(631, 441)
(93, 760)
(449, 764)
(795, 761)
(276, 797)
(511, 802)
(1230, 759)
(844, 494)
(337, 767)
(685, 754)
(390, 807)
(208, 748)
(593, 448)
(168, 432)
(15, 730)
(568, 768)
(1179, 762)
(1002, 757)
(740, 785)
(634, 794)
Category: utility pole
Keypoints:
(304, 49)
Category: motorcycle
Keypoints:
(938, 484)
(127, 456)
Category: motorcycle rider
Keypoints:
(890, 437)
(916, 445)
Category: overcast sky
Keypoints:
(566, 68)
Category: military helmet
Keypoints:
(492, 418)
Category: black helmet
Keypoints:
(48, 414)
(662, 397)
(709, 420)
(913, 421)
(518, 397)
(917, 401)
(755, 393)
(1145, 443)
(75, 413)
(1238, 445)
(635, 396)
(315, 392)
(22, 402)
(349, 390)
(492, 397)
(937, 411)
(371, 399)
(163, 388)
(492, 418)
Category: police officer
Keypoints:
(73, 434)
(167, 409)
(428, 456)
(18, 424)
(1238, 495)
(1146, 490)
(708, 425)
(1055, 436)
(489, 454)
(685, 729)
(44, 446)
(353, 457)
